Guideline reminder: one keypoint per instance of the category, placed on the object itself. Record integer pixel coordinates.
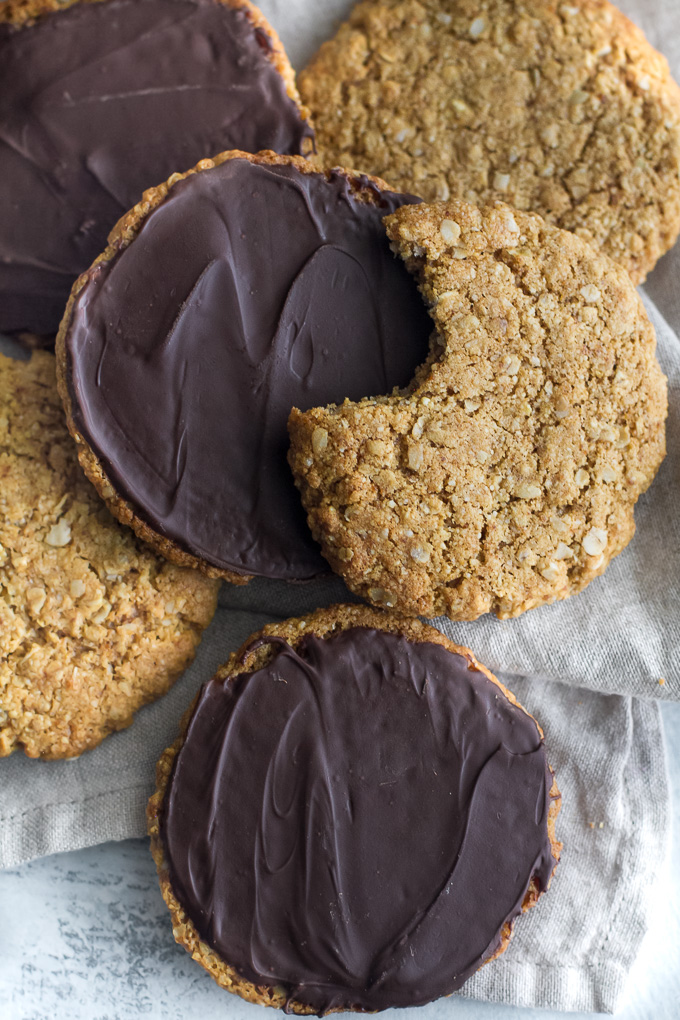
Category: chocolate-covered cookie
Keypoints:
(353, 817)
(225, 298)
(100, 100)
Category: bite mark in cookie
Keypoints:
(506, 475)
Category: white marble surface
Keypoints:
(86, 936)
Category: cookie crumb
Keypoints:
(59, 534)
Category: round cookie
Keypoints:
(225, 298)
(92, 624)
(505, 477)
(386, 811)
(563, 109)
(99, 99)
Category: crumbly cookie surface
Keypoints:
(252, 655)
(563, 109)
(506, 476)
(92, 624)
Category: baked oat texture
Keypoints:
(563, 109)
(506, 476)
(365, 189)
(322, 623)
(92, 624)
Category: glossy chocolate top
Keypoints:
(357, 820)
(250, 290)
(103, 100)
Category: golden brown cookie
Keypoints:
(25, 13)
(505, 477)
(370, 811)
(92, 624)
(563, 109)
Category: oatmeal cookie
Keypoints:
(390, 760)
(92, 624)
(505, 477)
(558, 108)
(227, 296)
(100, 99)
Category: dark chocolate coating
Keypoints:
(103, 100)
(357, 821)
(250, 290)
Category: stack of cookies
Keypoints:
(457, 369)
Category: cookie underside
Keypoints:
(505, 477)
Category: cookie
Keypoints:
(92, 624)
(100, 100)
(226, 297)
(563, 109)
(506, 475)
(354, 815)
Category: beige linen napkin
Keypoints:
(574, 951)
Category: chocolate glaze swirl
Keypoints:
(357, 820)
(251, 289)
(103, 100)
